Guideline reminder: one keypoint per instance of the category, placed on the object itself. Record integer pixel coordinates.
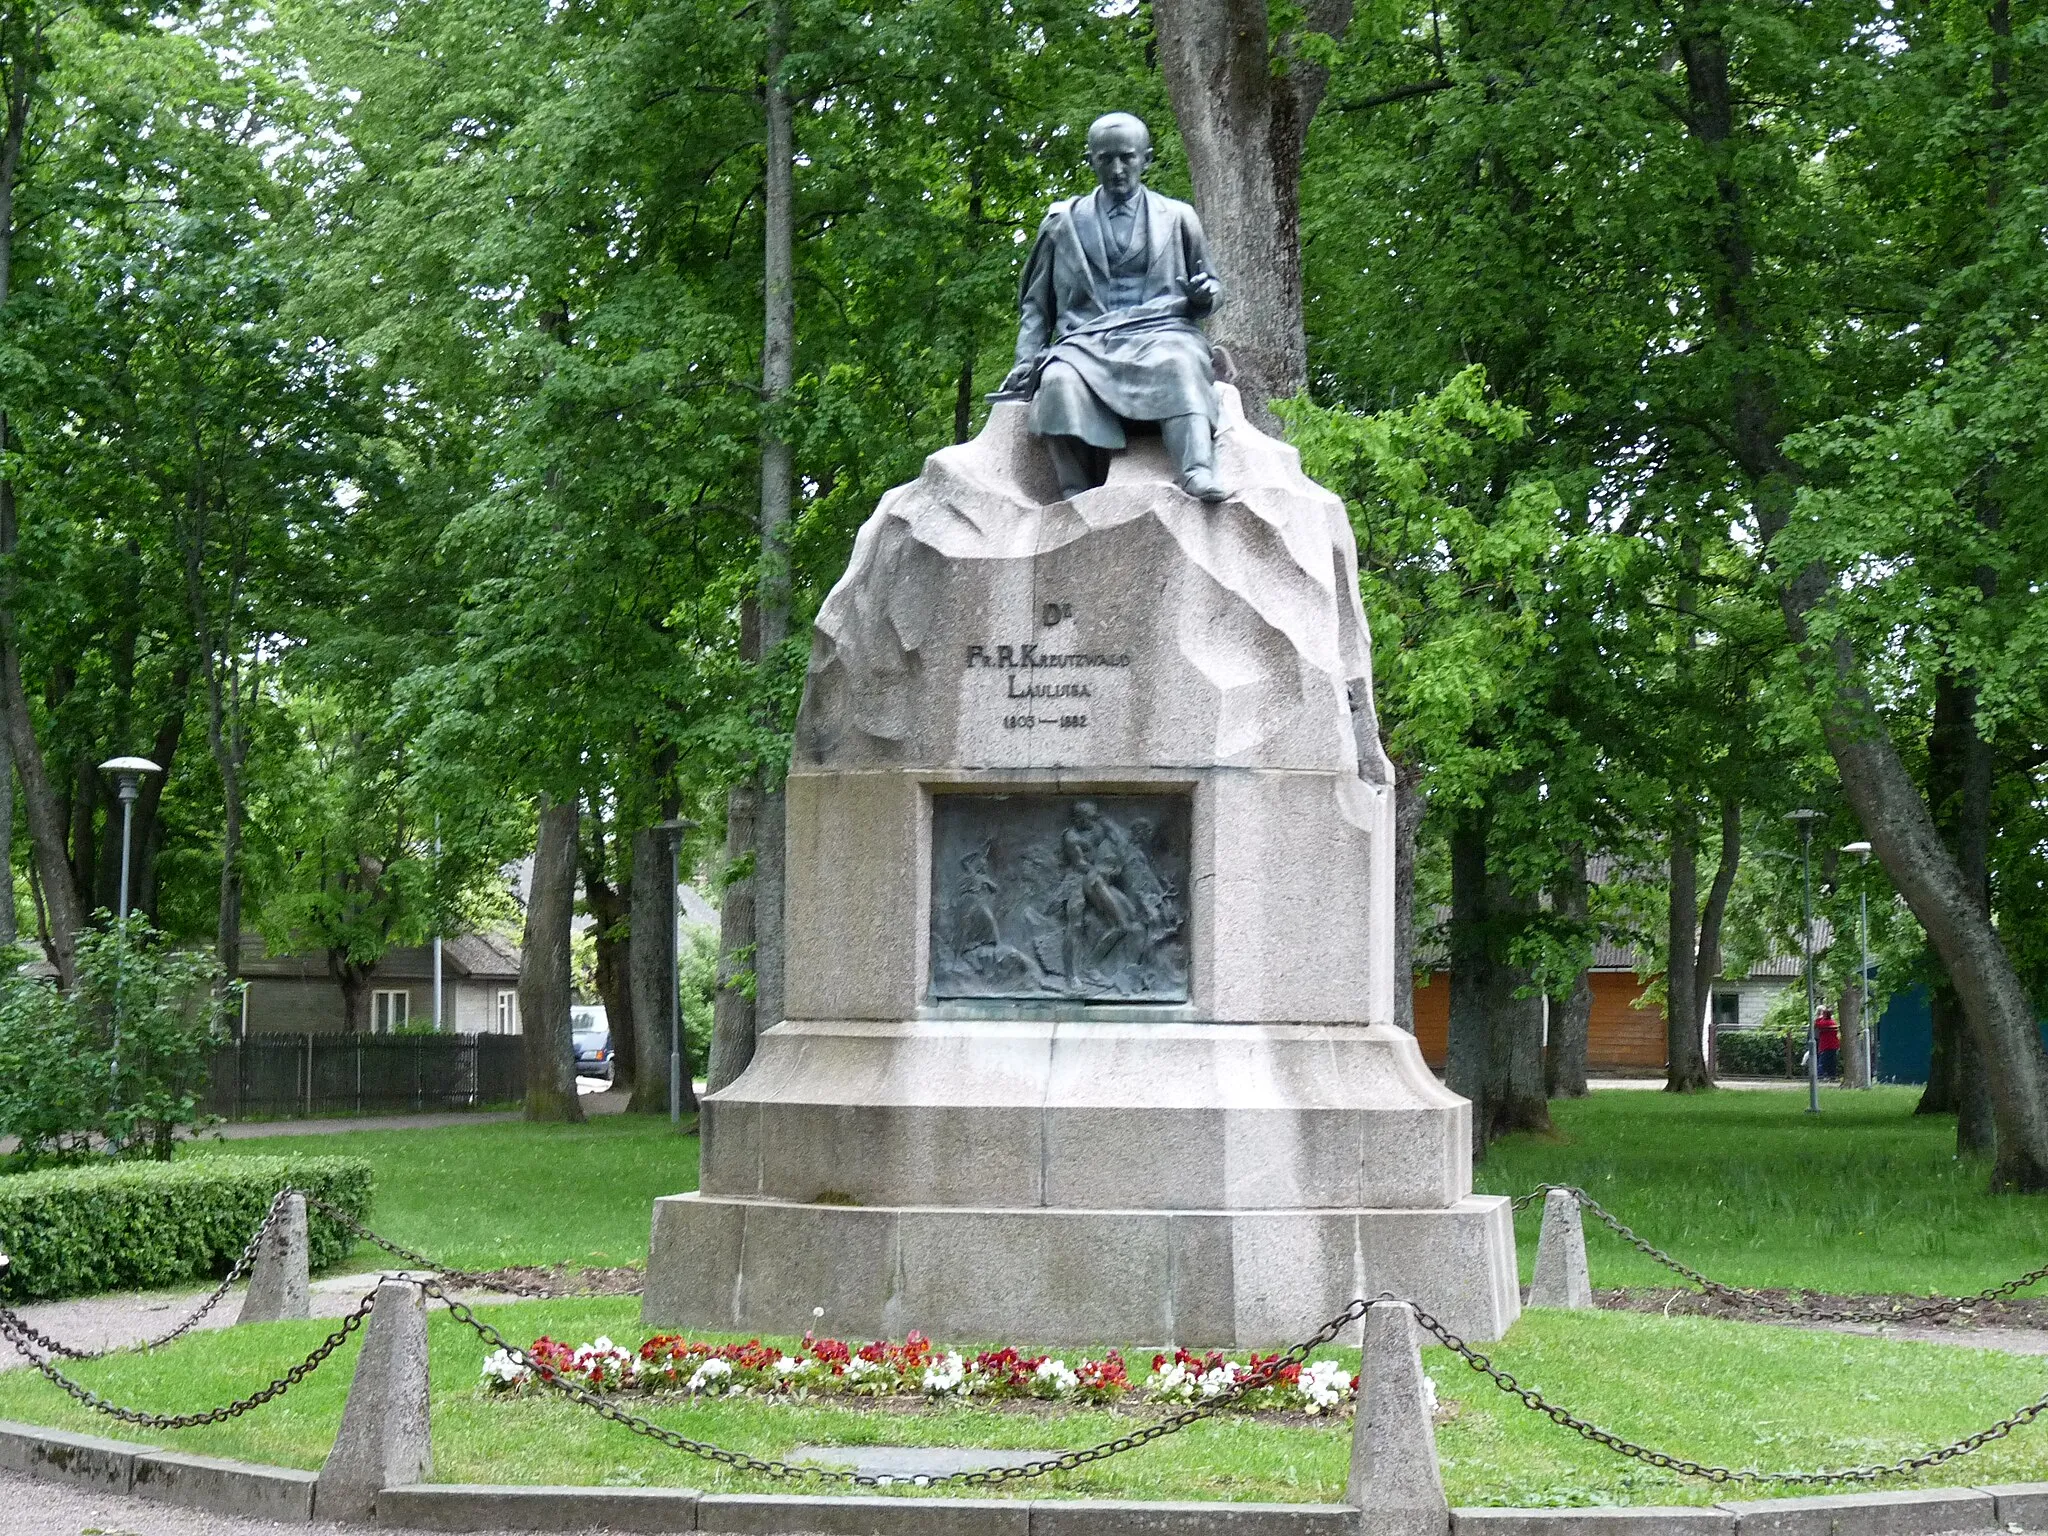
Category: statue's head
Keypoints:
(1119, 149)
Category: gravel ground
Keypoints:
(128, 1317)
(29, 1508)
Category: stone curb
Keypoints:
(224, 1487)
(278, 1493)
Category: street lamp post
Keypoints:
(128, 772)
(675, 827)
(1862, 851)
(1805, 818)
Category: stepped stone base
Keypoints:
(1207, 1279)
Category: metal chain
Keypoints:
(1939, 1307)
(985, 1477)
(69, 1352)
(16, 1332)
(1535, 1400)
(463, 1277)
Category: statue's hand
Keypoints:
(1016, 379)
(1203, 291)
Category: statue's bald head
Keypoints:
(1119, 124)
(1119, 149)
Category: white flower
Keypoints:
(789, 1365)
(1171, 1381)
(1429, 1396)
(502, 1371)
(706, 1377)
(1053, 1379)
(1325, 1384)
(858, 1369)
(946, 1376)
(1213, 1383)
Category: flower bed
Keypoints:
(914, 1368)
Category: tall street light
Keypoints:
(1862, 851)
(128, 771)
(674, 827)
(1805, 818)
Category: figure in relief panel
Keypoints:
(1057, 897)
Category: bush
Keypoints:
(1753, 1053)
(136, 1226)
(71, 1081)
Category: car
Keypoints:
(592, 1035)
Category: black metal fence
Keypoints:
(279, 1076)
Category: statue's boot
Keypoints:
(1078, 463)
(1192, 442)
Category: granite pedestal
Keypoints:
(1088, 933)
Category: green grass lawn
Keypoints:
(486, 1196)
(1749, 1188)
(1741, 1394)
(1744, 1185)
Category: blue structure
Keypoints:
(1905, 1038)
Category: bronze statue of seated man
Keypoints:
(1110, 299)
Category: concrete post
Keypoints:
(278, 1287)
(1394, 1485)
(383, 1440)
(1561, 1278)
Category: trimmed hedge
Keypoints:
(1754, 1053)
(141, 1226)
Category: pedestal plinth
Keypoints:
(1089, 957)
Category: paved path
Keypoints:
(29, 1508)
(597, 1100)
(1656, 1084)
(128, 1317)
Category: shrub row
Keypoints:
(138, 1226)
(1756, 1053)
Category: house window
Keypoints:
(506, 1021)
(1727, 1010)
(389, 1011)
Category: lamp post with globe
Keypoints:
(128, 773)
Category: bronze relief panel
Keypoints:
(1046, 896)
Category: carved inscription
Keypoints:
(1060, 896)
(1033, 698)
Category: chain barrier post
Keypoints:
(1561, 1278)
(279, 1287)
(1394, 1485)
(383, 1441)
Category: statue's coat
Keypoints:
(1143, 360)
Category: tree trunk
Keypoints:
(354, 983)
(1685, 1069)
(1945, 1017)
(61, 916)
(64, 917)
(778, 361)
(1571, 1013)
(1469, 1058)
(1515, 1004)
(10, 918)
(609, 906)
(651, 958)
(1409, 806)
(544, 995)
(732, 1019)
(1976, 1113)
(1999, 1011)
(1850, 1016)
(1961, 777)
(1244, 106)
(1707, 963)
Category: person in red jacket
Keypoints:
(1827, 1038)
